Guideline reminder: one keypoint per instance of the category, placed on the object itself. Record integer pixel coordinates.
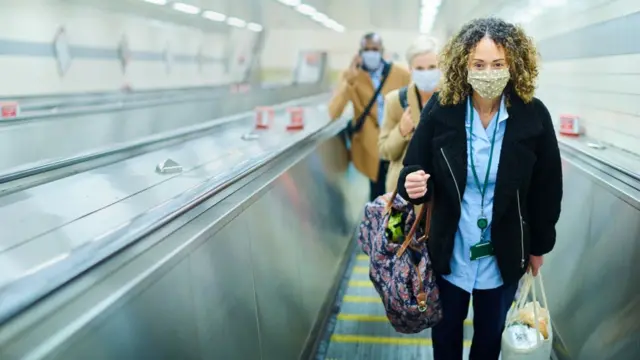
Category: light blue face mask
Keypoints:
(426, 80)
(371, 60)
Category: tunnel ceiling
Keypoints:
(353, 14)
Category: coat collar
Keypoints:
(516, 159)
(364, 76)
(522, 120)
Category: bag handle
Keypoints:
(426, 210)
(529, 285)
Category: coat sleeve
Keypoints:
(545, 190)
(391, 143)
(419, 153)
(340, 98)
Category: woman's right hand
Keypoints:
(416, 184)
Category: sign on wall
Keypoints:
(62, 51)
(310, 67)
(124, 53)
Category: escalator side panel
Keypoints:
(246, 278)
(591, 277)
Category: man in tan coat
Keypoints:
(359, 85)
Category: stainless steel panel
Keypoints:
(224, 296)
(274, 245)
(158, 324)
(299, 236)
(55, 241)
(591, 280)
(33, 142)
(284, 232)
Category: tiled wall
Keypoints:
(591, 67)
(28, 63)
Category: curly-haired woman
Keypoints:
(485, 152)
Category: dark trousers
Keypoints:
(376, 188)
(490, 309)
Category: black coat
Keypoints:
(528, 186)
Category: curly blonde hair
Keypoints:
(520, 50)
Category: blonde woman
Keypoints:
(403, 106)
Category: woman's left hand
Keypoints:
(535, 263)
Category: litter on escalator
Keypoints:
(250, 136)
(168, 166)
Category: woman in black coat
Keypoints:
(485, 152)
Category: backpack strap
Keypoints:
(402, 94)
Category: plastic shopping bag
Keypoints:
(528, 334)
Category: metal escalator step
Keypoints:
(361, 339)
(360, 283)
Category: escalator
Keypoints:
(247, 252)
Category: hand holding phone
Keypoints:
(354, 67)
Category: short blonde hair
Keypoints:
(422, 45)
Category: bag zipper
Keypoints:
(451, 171)
(521, 231)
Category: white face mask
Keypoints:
(426, 80)
(371, 60)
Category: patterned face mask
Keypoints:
(489, 84)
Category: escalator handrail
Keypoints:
(590, 155)
(51, 165)
(122, 96)
(110, 93)
(21, 293)
(110, 107)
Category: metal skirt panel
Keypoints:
(244, 279)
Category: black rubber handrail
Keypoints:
(21, 293)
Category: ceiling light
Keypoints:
(186, 8)
(290, 2)
(315, 15)
(305, 9)
(233, 21)
(157, 2)
(428, 12)
(319, 17)
(214, 16)
(254, 27)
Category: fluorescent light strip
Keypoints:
(186, 8)
(319, 17)
(157, 2)
(214, 16)
(306, 9)
(290, 2)
(234, 21)
(428, 12)
(254, 27)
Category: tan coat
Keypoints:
(359, 90)
(391, 144)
